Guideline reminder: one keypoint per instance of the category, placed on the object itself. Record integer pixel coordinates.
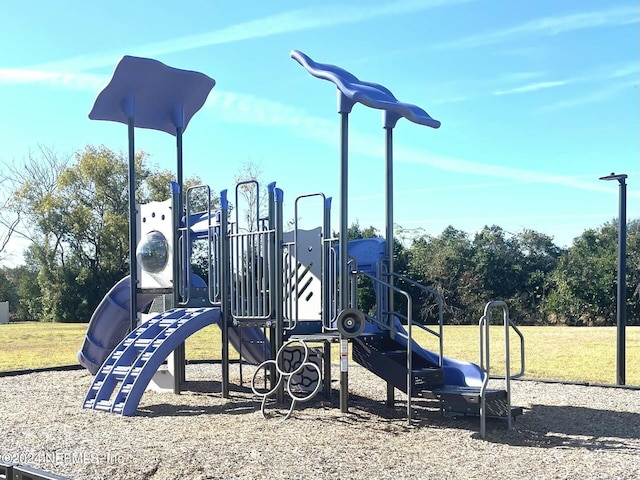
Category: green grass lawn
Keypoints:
(581, 354)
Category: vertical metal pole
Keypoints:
(343, 242)
(133, 265)
(409, 358)
(622, 284)
(279, 287)
(389, 244)
(225, 272)
(177, 269)
(389, 209)
(273, 267)
(389, 217)
(179, 169)
(175, 214)
(621, 304)
(179, 354)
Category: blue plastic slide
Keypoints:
(456, 372)
(110, 323)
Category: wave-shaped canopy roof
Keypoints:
(370, 94)
(155, 95)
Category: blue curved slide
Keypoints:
(110, 323)
(456, 372)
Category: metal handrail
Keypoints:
(256, 185)
(410, 324)
(215, 267)
(185, 246)
(408, 336)
(296, 229)
(289, 314)
(485, 363)
(440, 298)
(521, 336)
(331, 279)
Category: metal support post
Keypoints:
(179, 354)
(224, 289)
(621, 306)
(278, 299)
(178, 372)
(389, 307)
(272, 223)
(344, 256)
(133, 266)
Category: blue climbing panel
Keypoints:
(123, 377)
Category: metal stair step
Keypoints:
(120, 372)
(396, 355)
(117, 387)
(104, 405)
(125, 389)
(467, 391)
(97, 385)
(464, 400)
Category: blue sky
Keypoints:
(537, 100)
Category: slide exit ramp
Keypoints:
(123, 377)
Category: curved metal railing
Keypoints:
(485, 363)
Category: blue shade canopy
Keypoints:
(155, 95)
(370, 94)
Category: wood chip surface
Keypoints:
(566, 432)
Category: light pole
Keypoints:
(622, 283)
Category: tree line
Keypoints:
(541, 283)
(74, 214)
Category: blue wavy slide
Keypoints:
(456, 372)
(110, 322)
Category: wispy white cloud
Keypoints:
(277, 24)
(611, 17)
(531, 87)
(602, 94)
(606, 74)
(611, 80)
(470, 167)
(75, 81)
(246, 109)
(521, 76)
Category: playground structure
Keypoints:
(272, 293)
